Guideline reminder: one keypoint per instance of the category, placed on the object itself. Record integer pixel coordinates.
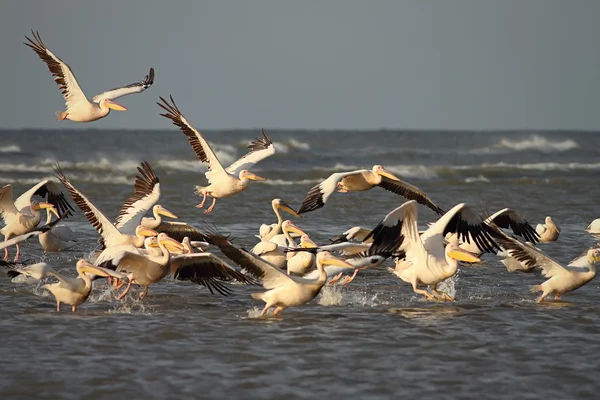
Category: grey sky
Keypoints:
(447, 64)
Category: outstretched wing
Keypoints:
(509, 219)
(137, 87)
(259, 150)
(50, 191)
(63, 76)
(146, 194)
(8, 211)
(409, 192)
(317, 196)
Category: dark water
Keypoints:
(374, 338)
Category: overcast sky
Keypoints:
(333, 64)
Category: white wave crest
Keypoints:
(181, 165)
(283, 182)
(538, 143)
(10, 148)
(547, 166)
(478, 178)
(338, 167)
(413, 171)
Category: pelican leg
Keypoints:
(264, 310)
(18, 252)
(202, 202)
(126, 290)
(144, 293)
(61, 116)
(557, 296)
(73, 308)
(447, 297)
(278, 310)
(209, 209)
(57, 306)
(541, 298)
(350, 278)
(428, 296)
(336, 278)
(6, 253)
(120, 285)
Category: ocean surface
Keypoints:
(372, 339)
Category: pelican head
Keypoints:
(289, 226)
(548, 220)
(247, 175)
(108, 103)
(151, 241)
(170, 243)
(456, 253)
(593, 256)
(278, 203)
(39, 205)
(306, 242)
(141, 230)
(158, 209)
(379, 170)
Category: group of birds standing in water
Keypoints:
(142, 251)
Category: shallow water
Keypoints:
(373, 338)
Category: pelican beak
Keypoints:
(295, 229)
(114, 106)
(254, 177)
(288, 209)
(308, 244)
(166, 213)
(42, 205)
(388, 174)
(171, 244)
(331, 260)
(147, 232)
(53, 211)
(462, 255)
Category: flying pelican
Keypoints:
(68, 290)
(561, 279)
(79, 108)
(267, 232)
(223, 182)
(58, 238)
(356, 233)
(110, 234)
(283, 290)
(360, 180)
(427, 261)
(594, 227)
(19, 222)
(146, 194)
(548, 231)
(201, 268)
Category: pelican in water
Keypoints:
(548, 231)
(300, 262)
(561, 279)
(68, 290)
(267, 232)
(201, 268)
(283, 290)
(274, 252)
(21, 238)
(223, 182)
(594, 227)
(428, 262)
(79, 108)
(19, 222)
(58, 238)
(111, 236)
(361, 180)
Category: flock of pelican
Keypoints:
(143, 251)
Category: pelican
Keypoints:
(146, 194)
(561, 279)
(201, 268)
(79, 108)
(21, 238)
(301, 262)
(427, 261)
(283, 290)
(223, 182)
(594, 227)
(267, 232)
(19, 222)
(273, 252)
(360, 180)
(68, 290)
(356, 233)
(58, 238)
(548, 231)
(110, 234)
(506, 219)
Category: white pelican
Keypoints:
(427, 261)
(223, 182)
(548, 231)
(68, 290)
(201, 268)
(505, 219)
(58, 238)
(110, 234)
(561, 279)
(274, 252)
(21, 238)
(354, 234)
(360, 180)
(267, 232)
(283, 290)
(299, 263)
(146, 194)
(594, 227)
(19, 222)
(79, 108)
